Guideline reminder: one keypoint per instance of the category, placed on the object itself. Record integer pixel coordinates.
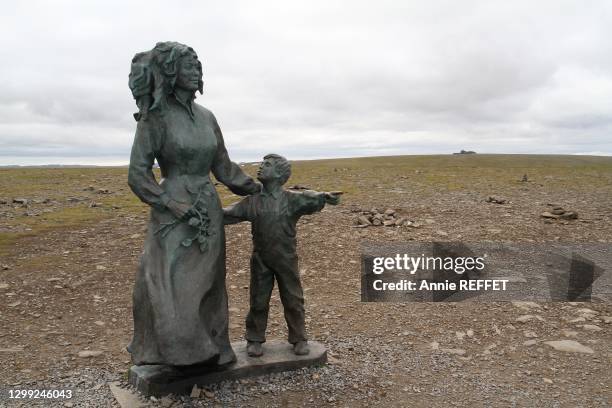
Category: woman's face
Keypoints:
(188, 75)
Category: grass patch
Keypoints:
(357, 177)
(67, 218)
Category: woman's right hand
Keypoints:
(178, 209)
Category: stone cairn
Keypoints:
(496, 200)
(379, 218)
(557, 212)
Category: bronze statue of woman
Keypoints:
(180, 300)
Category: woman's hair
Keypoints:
(153, 76)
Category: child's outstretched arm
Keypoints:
(308, 202)
(236, 212)
(333, 197)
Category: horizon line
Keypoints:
(52, 165)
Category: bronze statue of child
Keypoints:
(273, 214)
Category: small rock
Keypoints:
(525, 304)
(496, 200)
(470, 333)
(530, 334)
(591, 327)
(90, 353)
(22, 201)
(99, 323)
(488, 349)
(569, 346)
(100, 267)
(530, 343)
(456, 351)
(166, 402)
(195, 392)
(569, 215)
(547, 380)
(585, 310)
(442, 233)
(209, 394)
(4, 286)
(526, 318)
(569, 333)
(390, 211)
(547, 214)
(126, 398)
(607, 319)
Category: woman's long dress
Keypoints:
(180, 300)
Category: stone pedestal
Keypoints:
(278, 356)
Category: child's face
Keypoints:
(267, 171)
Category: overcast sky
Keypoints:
(315, 79)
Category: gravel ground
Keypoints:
(65, 292)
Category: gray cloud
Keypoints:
(319, 79)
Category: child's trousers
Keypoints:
(263, 272)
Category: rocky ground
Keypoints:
(68, 257)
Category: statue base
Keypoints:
(159, 380)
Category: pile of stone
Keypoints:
(378, 218)
(557, 212)
(98, 191)
(496, 200)
(25, 202)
